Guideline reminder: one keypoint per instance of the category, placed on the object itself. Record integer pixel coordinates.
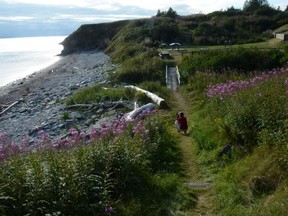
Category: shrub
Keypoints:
(240, 59)
(98, 93)
(157, 88)
(249, 108)
(141, 68)
(100, 177)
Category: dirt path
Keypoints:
(190, 166)
(186, 142)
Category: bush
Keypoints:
(97, 178)
(157, 88)
(252, 108)
(142, 68)
(249, 114)
(240, 59)
(98, 93)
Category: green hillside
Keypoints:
(232, 161)
(91, 37)
(282, 29)
(238, 26)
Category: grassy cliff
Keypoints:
(238, 26)
(91, 37)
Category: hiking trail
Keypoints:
(192, 172)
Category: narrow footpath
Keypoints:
(193, 177)
(192, 173)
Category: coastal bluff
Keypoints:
(90, 37)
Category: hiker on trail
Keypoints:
(176, 122)
(182, 122)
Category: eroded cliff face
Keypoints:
(92, 37)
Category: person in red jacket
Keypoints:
(182, 122)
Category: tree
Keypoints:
(170, 13)
(158, 13)
(286, 10)
(252, 5)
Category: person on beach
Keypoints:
(182, 122)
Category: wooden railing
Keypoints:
(178, 75)
(166, 74)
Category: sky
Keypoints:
(21, 18)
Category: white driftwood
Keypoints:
(106, 104)
(155, 98)
(10, 106)
(133, 114)
(79, 105)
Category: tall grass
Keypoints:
(240, 59)
(142, 68)
(253, 109)
(111, 174)
(98, 93)
(157, 88)
(248, 113)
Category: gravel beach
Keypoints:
(39, 97)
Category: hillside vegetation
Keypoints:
(238, 26)
(282, 29)
(91, 37)
(236, 102)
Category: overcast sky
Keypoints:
(62, 17)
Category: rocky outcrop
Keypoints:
(92, 37)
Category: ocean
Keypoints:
(20, 57)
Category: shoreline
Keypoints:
(41, 95)
(18, 84)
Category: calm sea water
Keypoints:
(20, 57)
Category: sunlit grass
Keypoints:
(98, 176)
(190, 49)
(249, 180)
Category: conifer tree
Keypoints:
(252, 5)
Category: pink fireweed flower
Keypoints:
(24, 144)
(94, 134)
(109, 210)
(14, 149)
(41, 133)
(76, 136)
(4, 138)
(82, 135)
(73, 132)
(138, 128)
(8, 150)
(63, 144)
(24, 141)
(114, 129)
(286, 83)
(232, 87)
(44, 139)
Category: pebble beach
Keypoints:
(39, 98)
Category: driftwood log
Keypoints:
(133, 114)
(155, 98)
(101, 105)
(8, 107)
